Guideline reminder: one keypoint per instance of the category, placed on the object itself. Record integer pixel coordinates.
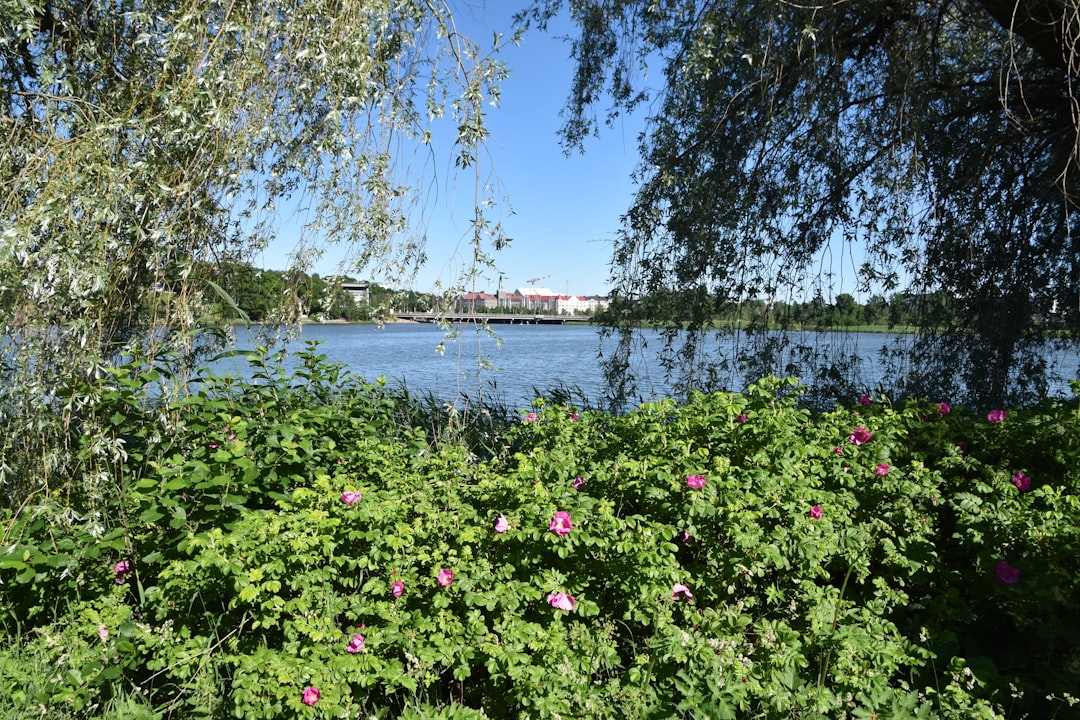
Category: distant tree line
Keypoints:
(932, 145)
(260, 293)
(900, 310)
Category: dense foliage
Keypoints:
(900, 311)
(254, 295)
(315, 546)
(149, 146)
(794, 149)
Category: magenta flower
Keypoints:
(942, 408)
(864, 399)
(1006, 574)
(859, 436)
(838, 450)
(311, 695)
(356, 644)
(573, 417)
(350, 497)
(120, 571)
(1021, 481)
(446, 577)
(560, 524)
(686, 536)
(561, 601)
(102, 632)
(743, 417)
(680, 589)
(578, 483)
(397, 588)
(996, 416)
(530, 417)
(696, 482)
(882, 469)
(501, 525)
(815, 512)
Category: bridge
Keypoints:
(493, 318)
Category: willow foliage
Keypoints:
(794, 149)
(147, 140)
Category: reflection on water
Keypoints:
(510, 365)
(515, 362)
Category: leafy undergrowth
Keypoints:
(312, 546)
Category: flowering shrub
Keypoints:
(561, 524)
(695, 482)
(859, 436)
(561, 601)
(799, 581)
(1021, 481)
(1006, 574)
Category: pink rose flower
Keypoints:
(1006, 574)
(578, 483)
(446, 577)
(838, 450)
(680, 589)
(501, 525)
(530, 417)
(864, 399)
(120, 571)
(560, 524)
(942, 408)
(996, 416)
(742, 418)
(356, 643)
(1021, 481)
(397, 588)
(561, 601)
(882, 469)
(815, 512)
(573, 417)
(311, 695)
(696, 482)
(102, 632)
(350, 497)
(686, 536)
(859, 436)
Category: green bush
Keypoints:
(733, 556)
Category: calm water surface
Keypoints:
(517, 362)
(511, 366)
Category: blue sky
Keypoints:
(565, 208)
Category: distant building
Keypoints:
(512, 301)
(535, 291)
(360, 292)
(537, 300)
(473, 301)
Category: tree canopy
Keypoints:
(147, 141)
(795, 148)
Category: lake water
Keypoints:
(512, 365)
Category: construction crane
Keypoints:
(532, 281)
(532, 288)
